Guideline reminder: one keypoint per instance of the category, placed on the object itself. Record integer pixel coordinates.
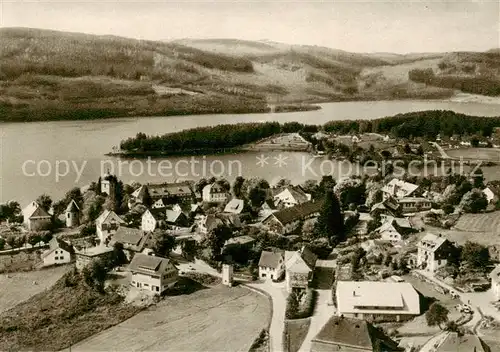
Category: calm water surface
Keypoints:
(81, 145)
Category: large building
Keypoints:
(299, 269)
(288, 219)
(399, 189)
(351, 335)
(433, 252)
(377, 301)
(214, 193)
(35, 217)
(106, 225)
(152, 273)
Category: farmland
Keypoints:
(489, 154)
(216, 319)
(18, 287)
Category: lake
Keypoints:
(52, 157)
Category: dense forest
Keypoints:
(415, 124)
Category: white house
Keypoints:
(35, 217)
(414, 204)
(235, 206)
(377, 301)
(299, 269)
(398, 189)
(272, 264)
(214, 193)
(495, 282)
(388, 232)
(59, 252)
(432, 252)
(151, 219)
(290, 196)
(106, 225)
(152, 273)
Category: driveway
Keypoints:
(278, 295)
(323, 312)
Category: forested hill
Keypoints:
(415, 124)
(58, 75)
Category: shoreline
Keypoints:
(474, 98)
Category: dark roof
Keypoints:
(352, 332)
(169, 189)
(128, 235)
(309, 257)
(269, 203)
(271, 259)
(297, 212)
(72, 207)
(39, 213)
(159, 213)
(465, 343)
(148, 264)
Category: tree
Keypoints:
(407, 149)
(473, 201)
(474, 142)
(215, 240)
(11, 211)
(45, 202)
(95, 274)
(237, 186)
(202, 182)
(330, 223)
(448, 208)
(478, 179)
(2, 244)
(163, 243)
(476, 255)
(257, 196)
(350, 190)
(11, 241)
(118, 256)
(292, 308)
(436, 315)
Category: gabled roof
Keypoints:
(295, 264)
(399, 188)
(34, 210)
(309, 257)
(157, 213)
(109, 216)
(354, 333)
(298, 212)
(169, 189)
(465, 343)
(140, 192)
(431, 242)
(148, 264)
(295, 192)
(213, 188)
(271, 259)
(234, 206)
(495, 274)
(240, 240)
(172, 215)
(72, 207)
(269, 204)
(128, 235)
(57, 243)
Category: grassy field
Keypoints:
(216, 319)
(295, 333)
(489, 154)
(18, 287)
(60, 316)
(22, 261)
(488, 222)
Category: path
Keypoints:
(323, 312)
(278, 295)
(443, 153)
(436, 340)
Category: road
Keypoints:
(444, 155)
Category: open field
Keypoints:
(20, 261)
(488, 222)
(217, 319)
(487, 154)
(19, 287)
(295, 333)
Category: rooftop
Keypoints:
(148, 264)
(431, 242)
(94, 251)
(297, 212)
(270, 259)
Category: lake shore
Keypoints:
(474, 98)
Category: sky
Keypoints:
(399, 26)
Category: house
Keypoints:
(398, 189)
(495, 282)
(35, 217)
(152, 273)
(492, 193)
(106, 225)
(272, 264)
(433, 252)
(171, 192)
(59, 252)
(208, 223)
(176, 218)
(160, 203)
(299, 269)
(388, 207)
(455, 342)
(235, 206)
(414, 204)
(72, 214)
(393, 301)
(394, 229)
(214, 193)
(133, 240)
(352, 335)
(290, 196)
(88, 255)
(287, 220)
(152, 219)
(107, 183)
(240, 241)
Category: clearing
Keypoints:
(216, 319)
(486, 154)
(18, 287)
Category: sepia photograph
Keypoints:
(250, 175)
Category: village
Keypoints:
(407, 263)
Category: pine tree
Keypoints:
(330, 222)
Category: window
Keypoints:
(157, 289)
(56, 258)
(146, 285)
(68, 216)
(61, 258)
